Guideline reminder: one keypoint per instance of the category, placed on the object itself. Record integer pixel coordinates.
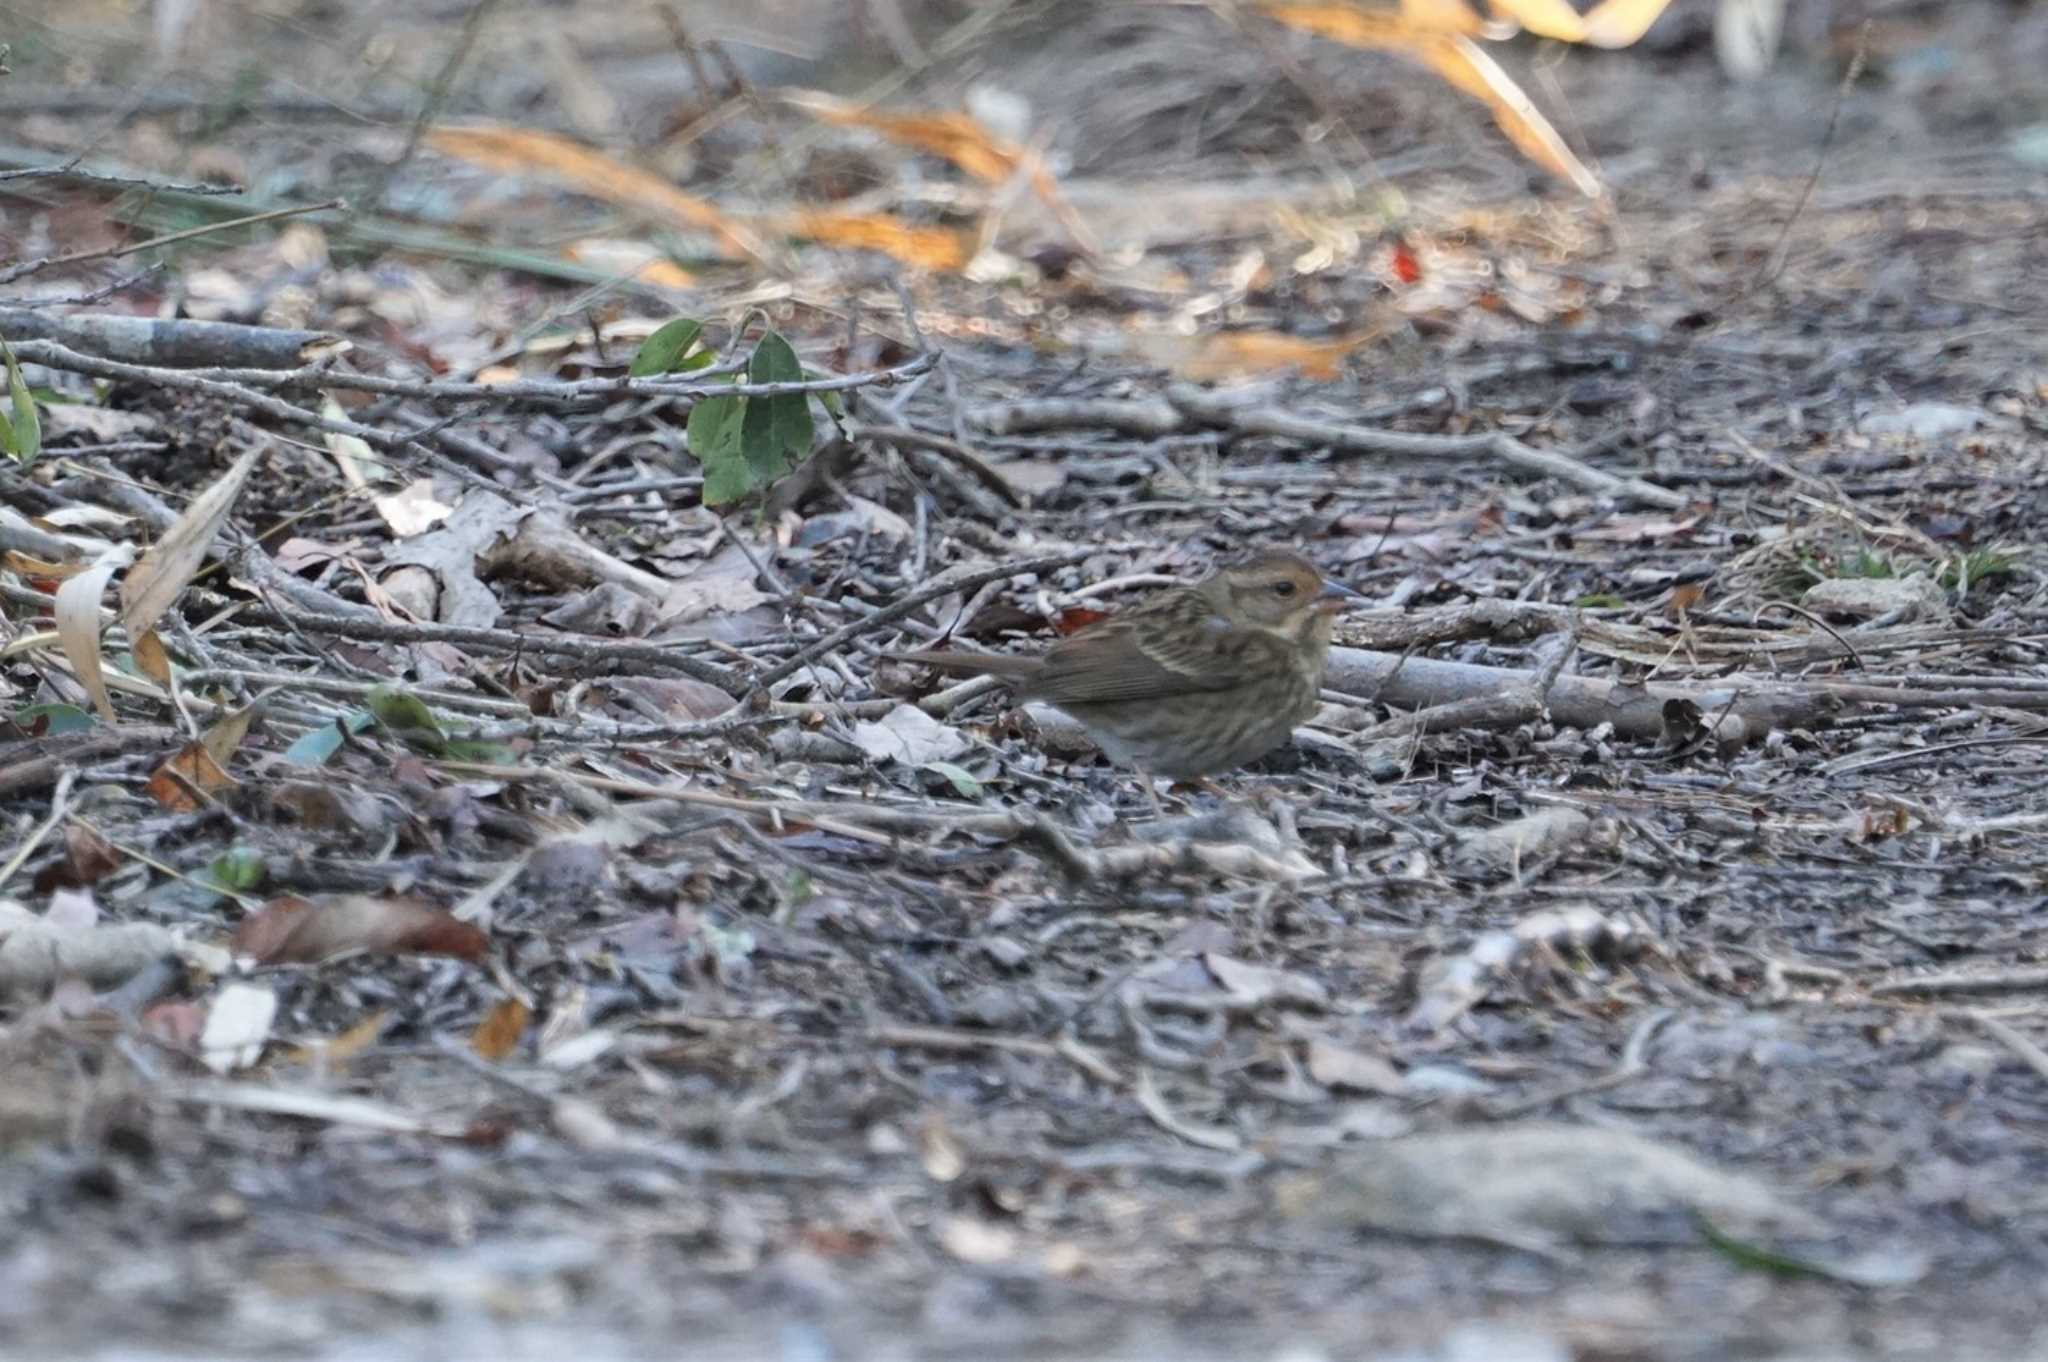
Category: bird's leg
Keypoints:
(1152, 793)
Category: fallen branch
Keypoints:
(170, 342)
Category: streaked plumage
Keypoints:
(1194, 680)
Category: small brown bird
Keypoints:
(1194, 680)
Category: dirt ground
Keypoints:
(1737, 1054)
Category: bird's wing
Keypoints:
(1176, 646)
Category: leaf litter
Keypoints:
(594, 866)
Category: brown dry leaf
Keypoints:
(152, 584)
(292, 930)
(930, 248)
(149, 654)
(338, 1050)
(202, 764)
(956, 136)
(1356, 27)
(88, 858)
(499, 1032)
(77, 614)
(38, 570)
(1458, 60)
(192, 770)
(1254, 352)
(524, 150)
(1435, 34)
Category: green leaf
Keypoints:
(667, 351)
(238, 870)
(776, 432)
(318, 747)
(1755, 1257)
(408, 719)
(714, 436)
(828, 399)
(958, 777)
(47, 721)
(727, 481)
(480, 750)
(23, 434)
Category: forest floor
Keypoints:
(662, 971)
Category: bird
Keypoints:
(1195, 679)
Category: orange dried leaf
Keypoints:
(500, 1030)
(346, 1046)
(192, 771)
(1442, 16)
(1544, 18)
(1620, 23)
(149, 654)
(1458, 60)
(44, 573)
(931, 248)
(1347, 24)
(525, 151)
(292, 930)
(1234, 354)
(956, 136)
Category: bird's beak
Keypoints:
(1335, 596)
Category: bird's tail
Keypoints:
(972, 664)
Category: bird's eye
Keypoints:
(1283, 589)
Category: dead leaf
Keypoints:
(202, 763)
(957, 137)
(523, 150)
(499, 1032)
(1622, 23)
(88, 858)
(191, 772)
(77, 613)
(237, 1027)
(724, 584)
(358, 462)
(1254, 985)
(1458, 60)
(677, 698)
(292, 930)
(413, 509)
(929, 248)
(635, 260)
(148, 652)
(98, 424)
(171, 563)
(338, 1050)
(908, 735)
(1334, 1066)
(1236, 354)
(1435, 33)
